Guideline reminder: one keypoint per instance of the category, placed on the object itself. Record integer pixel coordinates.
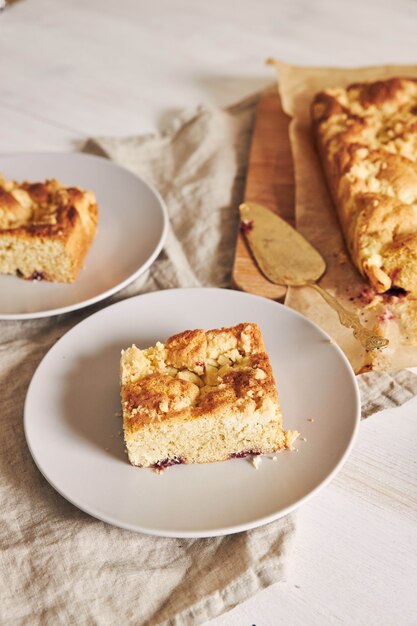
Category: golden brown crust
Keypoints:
(367, 137)
(144, 398)
(34, 213)
(231, 362)
(51, 208)
(164, 397)
(187, 349)
(253, 381)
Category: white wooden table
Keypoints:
(70, 69)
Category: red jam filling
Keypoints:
(244, 453)
(245, 227)
(399, 292)
(37, 276)
(164, 463)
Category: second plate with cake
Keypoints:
(131, 229)
(74, 427)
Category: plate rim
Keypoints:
(119, 286)
(109, 519)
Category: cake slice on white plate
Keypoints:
(203, 396)
(46, 229)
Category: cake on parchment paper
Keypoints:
(367, 137)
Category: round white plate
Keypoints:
(74, 435)
(133, 223)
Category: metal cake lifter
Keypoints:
(286, 258)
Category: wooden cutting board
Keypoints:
(270, 181)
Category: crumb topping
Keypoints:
(368, 137)
(37, 205)
(198, 370)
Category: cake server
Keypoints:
(285, 257)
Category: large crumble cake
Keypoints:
(201, 397)
(367, 136)
(45, 229)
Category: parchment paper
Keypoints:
(316, 219)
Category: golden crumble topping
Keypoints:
(195, 369)
(24, 205)
(367, 135)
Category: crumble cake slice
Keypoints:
(46, 229)
(203, 396)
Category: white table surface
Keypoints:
(70, 69)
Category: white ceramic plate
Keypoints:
(72, 430)
(132, 227)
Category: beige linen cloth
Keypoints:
(61, 566)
